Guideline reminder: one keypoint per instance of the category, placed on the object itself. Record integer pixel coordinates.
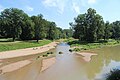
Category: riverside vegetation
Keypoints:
(82, 46)
(16, 24)
(19, 31)
(91, 31)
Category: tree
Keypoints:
(116, 30)
(78, 26)
(38, 21)
(107, 30)
(27, 30)
(12, 19)
(100, 27)
(59, 33)
(89, 26)
(68, 33)
(113, 75)
(51, 31)
(2, 31)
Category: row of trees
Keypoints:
(14, 23)
(91, 27)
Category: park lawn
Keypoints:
(6, 46)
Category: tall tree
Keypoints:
(116, 29)
(89, 26)
(12, 19)
(27, 30)
(68, 33)
(51, 31)
(107, 30)
(38, 21)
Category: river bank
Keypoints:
(7, 46)
(27, 51)
(78, 46)
(45, 64)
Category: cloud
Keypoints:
(50, 3)
(76, 8)
(60, 5)
(29, 8)
(91, 1)
(1, 8)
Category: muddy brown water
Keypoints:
(70, 66)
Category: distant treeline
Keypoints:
(91, 27)
(16, 24)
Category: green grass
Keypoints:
(80, 46)
(6, 46)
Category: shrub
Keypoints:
(70, 50)
(51, 52)
(48, 53)
(113, 75)
(60, 53)
(76, 49)
(45, 55)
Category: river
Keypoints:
(69, 66)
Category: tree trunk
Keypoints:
(37, 40)
(13, 39)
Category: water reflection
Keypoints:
(106, 69)
(104, 58)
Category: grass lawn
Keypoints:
(6, 46)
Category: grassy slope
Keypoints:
(6, 46)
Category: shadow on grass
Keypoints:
(85, 42)
(77, 42)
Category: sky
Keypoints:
(62, 12)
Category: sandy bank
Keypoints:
(27, 51)
(14, 66)
(46, 63)
(86, 55)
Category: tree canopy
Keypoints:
(91, 27)
(16, 24)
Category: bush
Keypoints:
(60, 53)
(51, 52)
(70, 50)
(76, 49)
(83, 48)
(45, 55)
(48, 53)
(113, 75)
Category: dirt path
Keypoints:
(27, 51)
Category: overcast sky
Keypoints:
(63, 11)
